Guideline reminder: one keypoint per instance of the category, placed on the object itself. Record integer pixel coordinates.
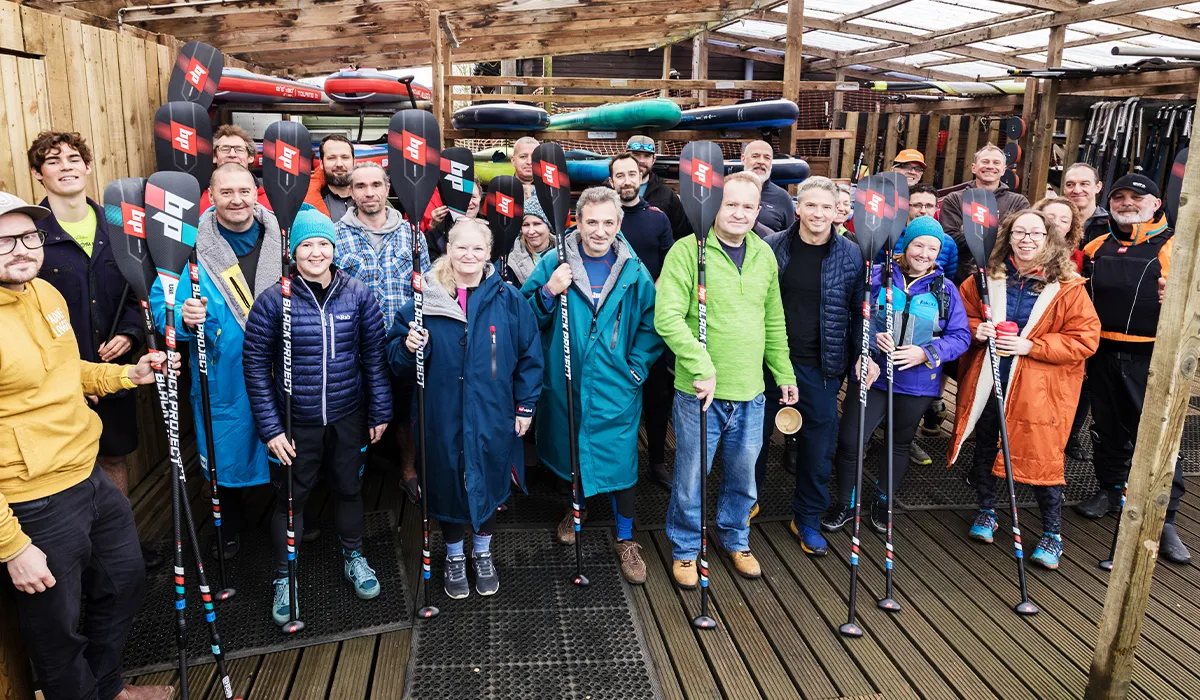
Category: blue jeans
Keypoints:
(738, 427)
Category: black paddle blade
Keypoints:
(197, 71)
(125, 213)
(287, 168)
(701, 184)
(1175, 185)
(183, 140)
(413, 160)
(880, 213)
(551, 184)
(172, 214)
(503, 208)
(900, 205)
(456, 183)
(980, 221)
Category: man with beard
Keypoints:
(987, 167)
(329, 187)
(232, 144)
(654, 190)
(1126, 270)
(778, 211)
(522, 162)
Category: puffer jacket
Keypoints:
(950, 216)
(337, 356)
(841, 297)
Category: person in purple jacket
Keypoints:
(929, 329)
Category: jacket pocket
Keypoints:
(19, 447)
(616, 331)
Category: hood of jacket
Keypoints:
(218, 258)
(522, 262)
(393, 222)
(579, 275)
(439, 302)
(1140, 232)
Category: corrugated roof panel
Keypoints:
(755, 28)
(933, 14)
(840, 42)
(1099, 27)
(893, 26)
(1170, 14)
(838, 7)
(972, 69)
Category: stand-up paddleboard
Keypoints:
(239, 85)
(581, 172)
(761, 114)
(495, 153)
(620, 116)
(368, 85)
(362, 151)
(784, 171)
(501, 116)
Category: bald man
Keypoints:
(522, 162)
(778, 212)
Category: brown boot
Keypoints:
(632, 566)
(745, 564)
(566, 527)
(146, 692)
(685, 573)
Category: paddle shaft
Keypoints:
(418, 290)
(702, 333)
(576, 475)
(864, 355)
(889, 434)
(294, 624)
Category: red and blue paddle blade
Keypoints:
(456, 180)
(879, 214)
(414, 160)
(286, 169)
(197, 72)
(551, 184)
(503, 208)
(701, 184)
(125, 213)
(183, 140)
(980, 222)
(1175, 185)
(172, 215)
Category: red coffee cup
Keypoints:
(1006, 329)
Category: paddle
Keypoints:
(183, 140)
(456, 180)
(1175, 185)
(504, 207)
(197, 71)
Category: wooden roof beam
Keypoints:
(1153, 25)
(888, 66)
(246, 7)
(889, 4)
(975, 54)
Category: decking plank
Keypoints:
(352, 673)
(655, 644)
(315, 672)
(274, 677)
(391, 665)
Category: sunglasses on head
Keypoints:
(643, 147)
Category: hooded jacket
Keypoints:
(950, 216)
(487, 367)
(1123, 271)
(388, 272)
(661, 197)
(520, 262)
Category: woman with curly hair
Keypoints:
(1068, 221)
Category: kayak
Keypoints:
(495, 153)
(362, 152)
(367, 85)
(761, 114)
(620, 116)
(784, 171)
(486, 170)
(239, 85)
(501, 116)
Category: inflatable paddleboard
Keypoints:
(501, 116)
(495, 153)
(486, 170)
(784, 171)
(620, 116)
(581, 172)
(367, 85)
(362, 152)
(239, 85)
(762, 114)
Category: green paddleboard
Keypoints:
(485, 171)
(619, 116)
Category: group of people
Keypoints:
(1075, 291)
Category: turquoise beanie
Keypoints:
(534, 208)
(921, 226)
(310, 223)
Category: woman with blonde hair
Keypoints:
(483, 353)
(1045, 327)
(1068, 221)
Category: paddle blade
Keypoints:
(899, 205)
(183, 140)
(875, 214)
(125, 213)
(980, 221)
(456, 181)
(701, 183)
(551, 184)
(1175, 185)
(197, 71)
(287, 168)
(503, 208)
(172, 215)
(414, 160)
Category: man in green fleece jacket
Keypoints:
(745, 327)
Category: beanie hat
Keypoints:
(310, 223)
(921, 226)
(534, 208)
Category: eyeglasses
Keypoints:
(643, 147)
(1031, 235)
(32, 240)
(227, 150)
(909, 167)
(922, 205)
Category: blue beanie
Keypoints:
(310, 223)
(921, 226)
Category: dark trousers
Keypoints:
(656, 407)
(337, 451)
(1081, 412)
(906, 411)
(987, 446)
(91, 546)
(1118, 384)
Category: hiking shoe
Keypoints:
(879, 516)
(633, 569)
(837, 518)
(811, 541)
(931, 422)
(985, 526)
(745, 564)
(918, 456)
(661, 475)
(566, 527)
(412, 488)
(487, 581)
(361, 576)
(454, 577)
(754, 511)
(1074, 449)
(685, 572)
(281, 611)
(1171, 547)
(311, 535)
(1048, 551)
(231, 548)
(1103, 502)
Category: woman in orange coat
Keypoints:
(1032, 283)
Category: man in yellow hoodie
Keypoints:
(66, 532)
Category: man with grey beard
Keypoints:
(778, 212)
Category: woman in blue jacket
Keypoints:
(483, 356)
(930, 328)
(341, 395)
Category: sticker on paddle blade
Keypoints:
(456, 180)
(551, 184)
(125, 214)
(701, 184)
(287, 168)
(414, 160)
(172, 215)
(504, 208)
(183, 140)
(1175, 185)
(197, 72)
(980, 223)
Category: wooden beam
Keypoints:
(666, 69)
(1096, 39)
(835, 111)
(932, 136)
(979, 105)
(1043, 127)
(889, 4)
(871, 140)
(792, 59)
(722, 50)
(849, 154)
(1028, 111)
(1178, 76)
(1075, 131)
(438, 44)
(242, 9)
(950, 157)
(1153, 25)
(700, 65)
(968, 156)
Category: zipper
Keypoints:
(493, 332)
(324, 368)
(616, 328)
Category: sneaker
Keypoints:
(1171, 547)
(487, 581)
(361, 576)
(879, 516)
(745, 564)
(1074, 449)
(837, 518)
(281, 607)
(931, 422)
(231, 548)
(985, 526)
(685, 573)
(412, 488)
(811, 541)
(633, 569)
(661, 475)
(454, 578)
(1103, 502)
(754, 511)
(566, 527)
(1048, 551)
(918, 456)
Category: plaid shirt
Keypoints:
(388, 273)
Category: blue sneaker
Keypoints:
(487, 581)
(811, 540)
(1049, 550)
(985, 526)
(281, 607)
(361, 576)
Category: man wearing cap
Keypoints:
(654, 190)
(778, 212)
(1127, 270)
(987, 167)
(911, 164)
(66, 532)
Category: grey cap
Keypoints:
(642, 139)
(12, 204)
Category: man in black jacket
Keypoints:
(654, 190)
(778, 212)
(987, 167)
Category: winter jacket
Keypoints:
(842, 286)
(947, 258)
(778, 211)
(950, 216)
(1123, 271)
(388, 272)
(661, 197)
(1095, 226)
(337, 356)
(613, 346)
(486, 368)
(1043, 386)
(316, 190)
(648, 231)
(520, 262)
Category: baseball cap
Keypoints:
(641, 143)
(1138, 183)
(12, 204)
(909, 155)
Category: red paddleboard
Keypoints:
(239, 85)
(368, 85)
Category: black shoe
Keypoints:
(931, 422)
(790, 454)
(879, 517)
(412, 489)
(154, 559)
(1171, 547)
(1100, 504)
(231, 548)
(1074, 449)
(660, 475)
(311, 535)
(837, 518)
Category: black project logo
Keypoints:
(172, 412)
(201, 341)
(287, 334)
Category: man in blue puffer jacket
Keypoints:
(340, 398)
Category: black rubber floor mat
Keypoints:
(330, 610)
(540, 636)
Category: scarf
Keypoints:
(217, 257)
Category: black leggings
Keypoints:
(624, 502)
(906, 415)
(987, 446)
(457, 532)
(656, 407)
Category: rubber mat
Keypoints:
(330, 610)
(540, 636)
